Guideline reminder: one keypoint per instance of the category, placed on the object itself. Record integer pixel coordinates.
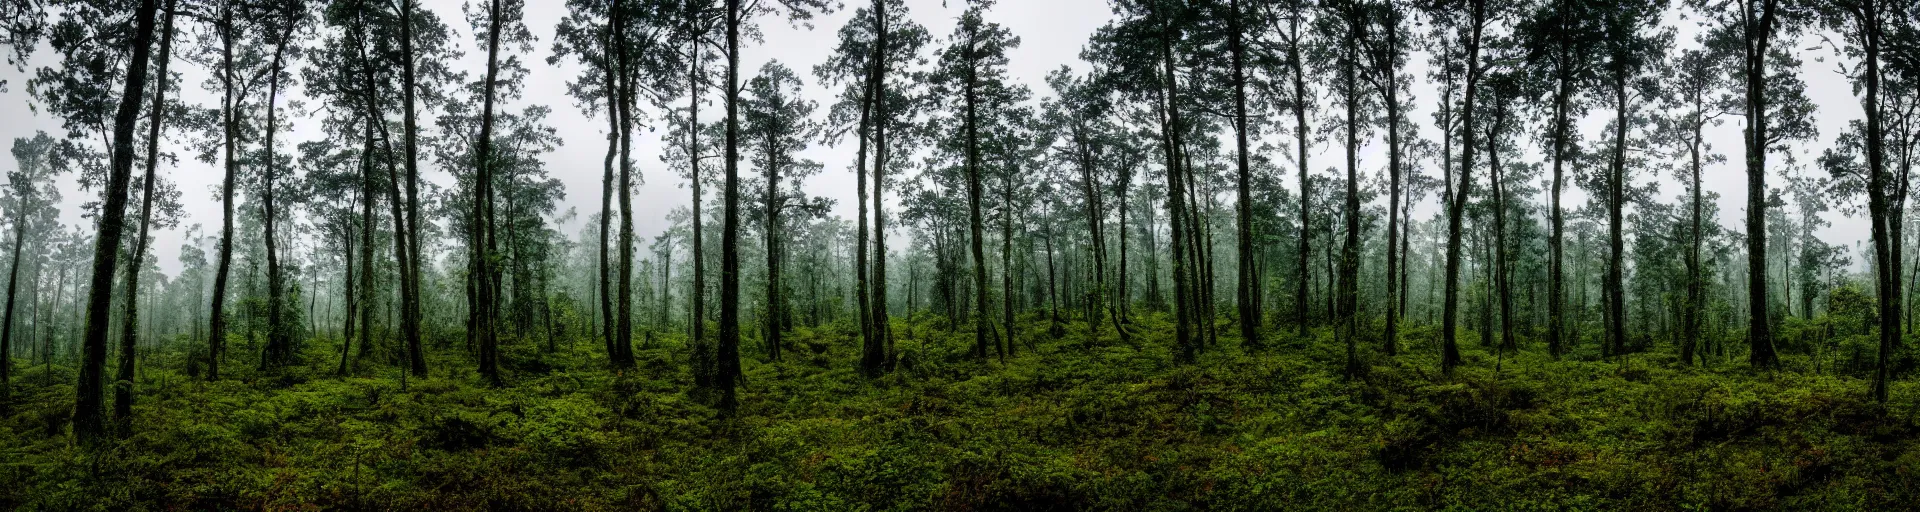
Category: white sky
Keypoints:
(1052, 33)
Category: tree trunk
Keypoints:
(776, 303)
(411, 299)
(1348, 314)
(1171, 129)
(728, 367)
(230, 132)
(882, 326)
(1249, 311)
(872, 351)
(279, 351)
(982, 324)
(1449, 345)
(87, 423)
(1757, 38)
(1616, 244)
(1305, 281)
(483, 309)
(1502, 263)
(129, 339)
(702, 354)
(1886, 239)
(1556, 253)
(622, 357)
(1695, 293)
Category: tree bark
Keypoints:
(728, 367)
(1449, 344)
(129, 339)
(279, 351)
(872, 353)
(87, 423)
(410, 300)
(1249, 311)
(1757, 37)
(482, 279)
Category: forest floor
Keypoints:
(1066, 425)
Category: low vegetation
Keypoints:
(1063, 424)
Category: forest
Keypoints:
(959, 255)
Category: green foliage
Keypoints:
(1066, 425)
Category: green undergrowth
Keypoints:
(1074, 423)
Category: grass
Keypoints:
(1071, 425)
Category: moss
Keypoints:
(1067, 425)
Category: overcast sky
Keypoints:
(1052, 33)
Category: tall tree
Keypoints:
(287, 18)
(1384, 53)
(1692, 106)
(1470, 20)
(30, 190)
(1342, 29)
(1289, 24)
(129, 340)
(499, 23)
(232, 53)
(897, 45)
(409, 133)
(1559, 38)
(874, 41)
(1080, 111)
(1248, 310)
(87, 421)
(1753, 30)
(727, 353)
(775, 115)
(973, 70)
(1630, 49)
(1863, 25)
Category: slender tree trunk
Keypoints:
(279, 350)
(1006, 261)
(230, 128)
(606, 222)
(1348, 313)
(367, 197)
(1089, 188)
(1886, 239)
(623, 326)
(410, 303)
(1502, 263)
(352, 298)
(728, 368)
(87, 423)
(404, 245)
(1757, 38)
(1390, 94)
(982, 324)
(13, 279)
(1053, 293)
(1695, 285)
(1556, 257)
(1305, 281)
(703, 356)
(1249, 311)
(1171, 130)
(1616, 243)
(776, 303)
(1124, 299)
(129, 339)
(1449, 345)
(872, 353)
(882, 323)
(482, 279)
